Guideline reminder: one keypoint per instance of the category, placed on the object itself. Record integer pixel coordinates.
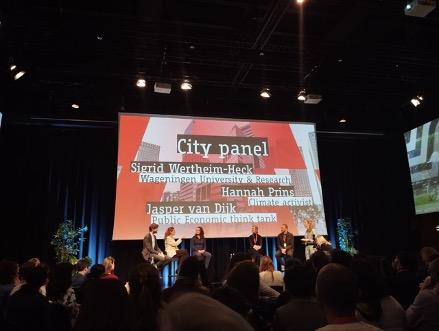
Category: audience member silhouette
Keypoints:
(337, 292)
(301, 312)
(144, 296)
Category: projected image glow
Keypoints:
(423, 154)
(224, 175)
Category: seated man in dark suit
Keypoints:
(151, 250)
(255, 244)
(285, 246)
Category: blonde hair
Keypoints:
(109, 263)
(320, 240)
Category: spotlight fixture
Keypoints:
(300, 1)
(141, 83)
(186, 85)
(12, 67)
(164, 88)
(19, 74)
(417, 100)
(420, 8)
(301, 96)
(342, 120)
(75, 106)
(265, 93)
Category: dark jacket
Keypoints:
(252, 242)
(198, 244)
(147, 246)
(289, 241)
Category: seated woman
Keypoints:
(198, 246)
(171, 246)
(268, 276)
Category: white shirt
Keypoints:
(171, 246)
(357, 326)
(392, 317)
(277, 279)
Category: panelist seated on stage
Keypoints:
(151, 250)
(171, 246)
(285, 245)
(198, 246)
(255, 244)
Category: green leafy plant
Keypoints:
(66, 241)
(345, 236)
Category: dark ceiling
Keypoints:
(365, 57)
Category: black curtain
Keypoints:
(51, 173)
(58, 170)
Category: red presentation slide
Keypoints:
(222, 174)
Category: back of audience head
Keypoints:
(244, 277)
(428, 254)
(292, 262)
(35, 261)
(404, 261)
(190, 268)
(337, 290)
(145, 294)
(370, 284)
(299, 281)
(24, 268)
(109, 264)
(60, 280)
(35, 277)
(266, 264)
(8, 272)
(434, 271)
(341, 257)
(104, 307)
(195, 312)
(318, 260)
(239, 257)
(145, 278)
(82, 266)
(96, 272)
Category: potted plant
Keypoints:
(67, 240)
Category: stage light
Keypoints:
(19, 74)
(265, 93)
(186, 85)
(141, 83)
(75, 106)
(417, 101)
(420, 8)
(12, 67)
(301, 96)
(300, 1)
(342, 120)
